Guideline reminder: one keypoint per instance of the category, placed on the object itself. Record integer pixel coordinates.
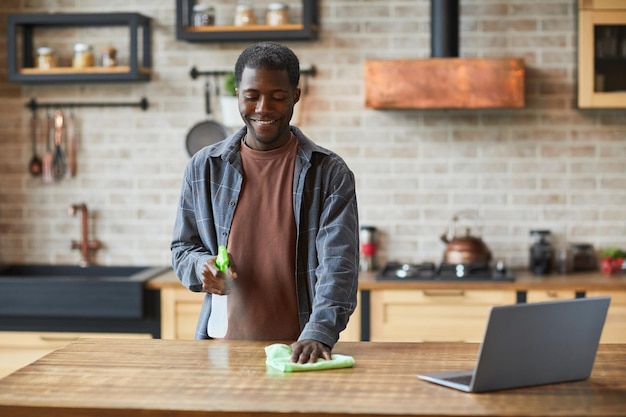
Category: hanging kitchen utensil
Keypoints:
(59, 166)
(465, 249)
(71, 143)
(35, 164)
(46, 161)
(206, 132)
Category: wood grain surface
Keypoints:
(114, 377)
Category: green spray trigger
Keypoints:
(222, 258)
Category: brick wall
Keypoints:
(549, 165)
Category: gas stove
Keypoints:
(428, 271)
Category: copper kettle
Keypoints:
(466, 249)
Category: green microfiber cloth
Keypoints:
(279, 357)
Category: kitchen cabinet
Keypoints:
(18, 349)
(21, 38)
(433, 315)
(180, 309)
(304, 29)
(614, 330)
(601, 54)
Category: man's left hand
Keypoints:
(309, 351)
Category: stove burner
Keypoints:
(428, 271)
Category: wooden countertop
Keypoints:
(524, 281)
(115, 377)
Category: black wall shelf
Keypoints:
(305, 30)
(25, 25)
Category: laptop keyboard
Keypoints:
(463, 379)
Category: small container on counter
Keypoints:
(583, 257)
(244, 14)
(46, 58)
(203, 15)
(108, 56)
(368, 237)
(277, 14)
(83, 56)
(541, 253)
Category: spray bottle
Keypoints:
(218, 320)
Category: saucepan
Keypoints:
(206, 132)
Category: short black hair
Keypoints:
(269, 55)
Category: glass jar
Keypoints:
(244, 15)
(203, 15)
(583, 257)
(277, 14)
(46, 58)
(83, 56)
(108, 56)
(541, 256)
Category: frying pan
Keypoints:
(206, 132)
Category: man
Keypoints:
(285, 208)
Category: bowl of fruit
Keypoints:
(613, 261)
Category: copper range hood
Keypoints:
(444, 81)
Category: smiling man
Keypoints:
(286, 209)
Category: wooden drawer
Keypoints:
(433, 315)
(615, 326)
(536, 296)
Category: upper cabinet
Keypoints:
(602, 54)
(41, 49)
(300, 22)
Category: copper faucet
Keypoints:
(84, 245)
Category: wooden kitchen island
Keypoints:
(115, 377)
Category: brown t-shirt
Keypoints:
(262, 304)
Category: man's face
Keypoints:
(266, 103)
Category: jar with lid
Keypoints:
(83, 56)
(46, 58)
(277, 14)
(583, 257)
(541, 256)
(108, 56)
(244, 14)
(203, 15)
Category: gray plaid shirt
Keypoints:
(327, 247)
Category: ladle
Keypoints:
(34, 166)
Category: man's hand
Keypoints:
(309, 351)
(216, 281)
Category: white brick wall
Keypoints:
(549, 165)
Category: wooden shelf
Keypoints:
(121, 69)
(248, 28)
(307, 29)
(21, 28)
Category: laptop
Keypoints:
(533, 344)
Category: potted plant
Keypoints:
(228, 102)
(612, 260)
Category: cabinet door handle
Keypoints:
(444, 293)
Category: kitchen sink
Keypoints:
(73, 291)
